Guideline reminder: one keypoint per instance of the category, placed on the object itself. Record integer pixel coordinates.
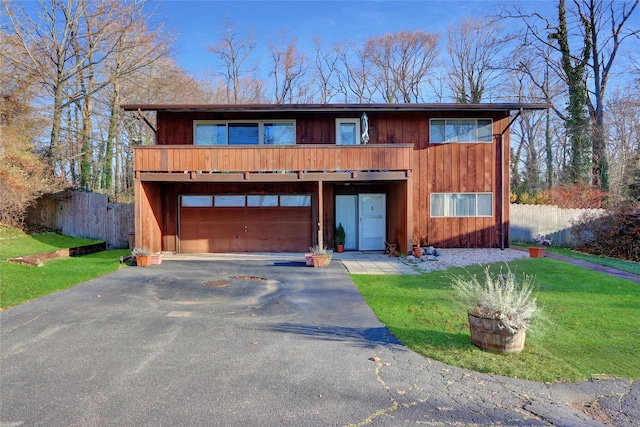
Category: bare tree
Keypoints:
(325, 72)
(234, 51)
(474, 48)
(354, 75)
(289, 68)
(401, 63)
(137, 46)
(49, 53)
(623, 117)
(607, 21)
(587, 38)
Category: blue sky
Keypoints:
(197, 23)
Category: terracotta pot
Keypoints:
(536, 252)
(143, 260)
(318, 260)
(156, 259)
(487, 335)
(339, 249)
(417, 251)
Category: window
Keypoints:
(347, 131)
(461, 204)
(262, 201)
(295, 201)
(206, 132)
(279, 133)
(242, 200)
(229, 201)
(461, 130)
(197, 201)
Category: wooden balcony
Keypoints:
(311, 162)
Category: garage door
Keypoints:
(245, 223)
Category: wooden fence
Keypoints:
(86, 215)
(527, 221)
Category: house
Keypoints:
(254, 178)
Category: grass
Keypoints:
(590, 323)
(620, 264)
(20, 283)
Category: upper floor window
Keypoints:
(279, 132)
(347, 131)
(461, 130)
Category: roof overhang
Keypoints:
(261, 108)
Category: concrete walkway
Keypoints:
(357, 262)
(591, 266)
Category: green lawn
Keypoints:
(20, 283)
(590, 323)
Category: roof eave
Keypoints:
(333, 107)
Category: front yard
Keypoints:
(20, 283)
(590, 324)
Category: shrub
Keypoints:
(577, 196)
(615, 234)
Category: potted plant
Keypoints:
(318, 255)
(417, 250)
(499, 309)
(340, 238)
(538, 250)
(142, 256)
(156, 259)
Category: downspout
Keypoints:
(502, 175)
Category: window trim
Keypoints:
(462, 216)
(477, 141)
(348, 120)
(260, 123)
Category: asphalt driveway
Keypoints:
(249, 341)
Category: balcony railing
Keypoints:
(295, 158)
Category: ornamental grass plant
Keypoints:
(498, 296)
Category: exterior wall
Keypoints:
(450, 167)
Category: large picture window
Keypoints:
(460, 130)
(461, 204)
(207, 132)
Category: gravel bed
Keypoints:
(464, 257)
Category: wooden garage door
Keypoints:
(239, 223)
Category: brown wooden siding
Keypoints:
(458, 167)
(272, 159)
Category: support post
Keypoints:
(320, 216)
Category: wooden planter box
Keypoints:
(143, 260)
(536, 252)
(487, 335)
(318, 260)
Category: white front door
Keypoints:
(372, 216)
(347, 215)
